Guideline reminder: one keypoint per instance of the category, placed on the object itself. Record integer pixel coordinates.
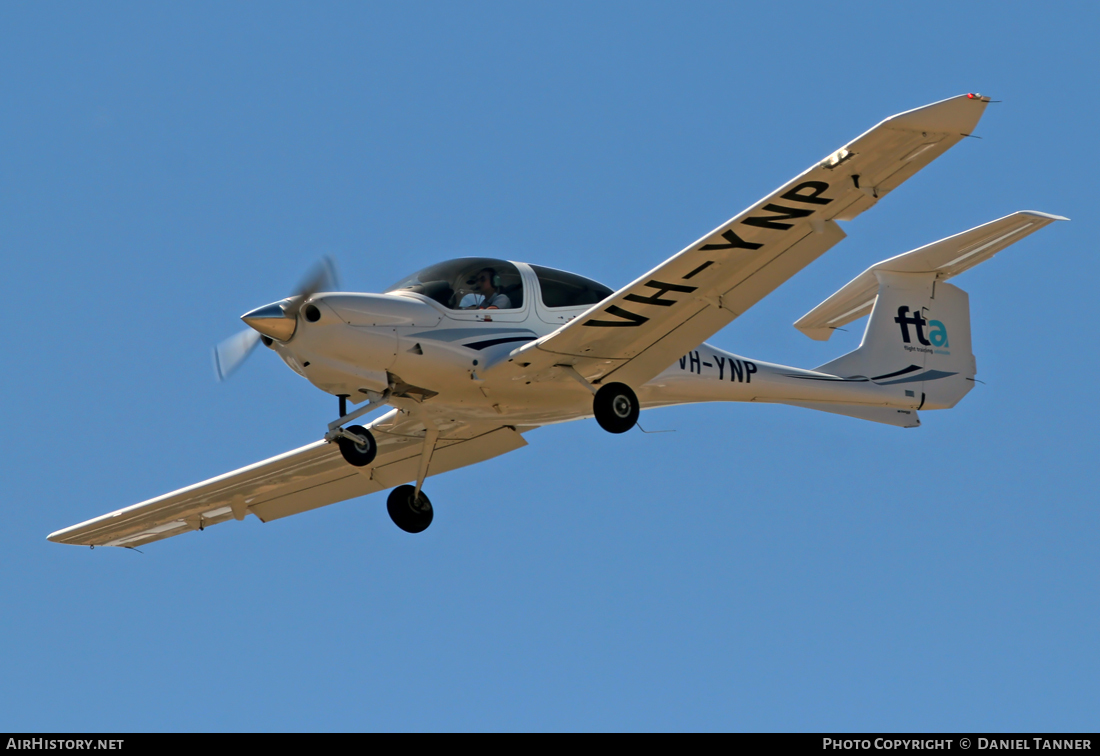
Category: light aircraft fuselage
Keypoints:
(360, 344)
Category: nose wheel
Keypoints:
(357, 444)
(359, 451)
(411, 511)
(616, 408)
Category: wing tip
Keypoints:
(1048, 216)
(817, 333)
(955, 114)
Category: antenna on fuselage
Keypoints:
(643, 430)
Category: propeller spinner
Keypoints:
(278, 320)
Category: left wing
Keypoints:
(300, 480)
(641, 329)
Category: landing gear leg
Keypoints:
(409, 508)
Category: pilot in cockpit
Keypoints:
(487, 284)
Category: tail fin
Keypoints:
(919, 330)
(918, 334)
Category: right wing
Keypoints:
(641, 329)
(297, 481)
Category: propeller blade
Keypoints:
(323, 277)
(229, 354)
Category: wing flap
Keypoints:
(489, 445)
(353, 484)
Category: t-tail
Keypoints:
(918, 335)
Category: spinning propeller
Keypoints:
(278, 320)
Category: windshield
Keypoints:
(469, 283)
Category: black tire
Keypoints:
(358, 454)
(616, 408)
(410, 516)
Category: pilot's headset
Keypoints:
(494, 278)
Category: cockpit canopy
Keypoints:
(561, 289)
(455, 285)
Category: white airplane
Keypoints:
(473, 353)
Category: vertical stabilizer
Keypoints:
(918, 335)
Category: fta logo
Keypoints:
(936, 337)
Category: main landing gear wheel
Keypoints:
(407, 514)
(616, 408)
(359, 455)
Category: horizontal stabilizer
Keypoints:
(946, 258)
(886, 415)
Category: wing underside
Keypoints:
(297, 481)
(641, 329)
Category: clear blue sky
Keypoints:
(166, 167)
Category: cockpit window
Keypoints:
(561, 289)
(469, 283)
